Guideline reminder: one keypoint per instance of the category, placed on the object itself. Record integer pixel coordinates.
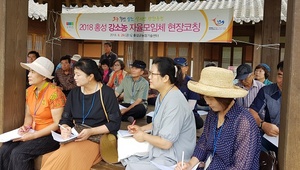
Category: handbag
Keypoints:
(268, 161)
(108, 141)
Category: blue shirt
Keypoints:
(238, 145)
(268, 99)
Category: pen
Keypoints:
(182, 159)
(133, 123)
(62, 126)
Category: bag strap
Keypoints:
(101, 98)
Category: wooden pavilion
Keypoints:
(13, 48)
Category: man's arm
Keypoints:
(269, 128)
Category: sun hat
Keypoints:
(243, 71)
(108, 148)
(181, 61)
(139, 64)
(41, 65)
(217, 82)
(76, 57)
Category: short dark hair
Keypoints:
(108, 43)
(280, 66)
(267, 74)
(66, 57)
(37, 55)
(121, 63)
(105, 62)
(89, 66)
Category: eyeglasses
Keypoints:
(155, 74)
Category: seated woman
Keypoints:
(231, 138)
(84, 107)
(173, 127)
(117, 75)
(44, 107)
(106, 71)
(262, 73)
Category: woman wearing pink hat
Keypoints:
(44, 107)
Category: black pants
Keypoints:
(137, 112)
(21, 155)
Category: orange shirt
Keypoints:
(50, 97)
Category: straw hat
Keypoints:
(217, 82)
(76, 57)
(108, 148)
(41, 65)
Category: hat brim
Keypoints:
(137, 66)
(242, 77)
(234, 92)
(35, 68)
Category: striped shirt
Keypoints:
(252, 92)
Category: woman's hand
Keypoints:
(23, 130)
(65, 131)
(84, 135)
(183, 166)
(133, 128)
(26, 137)
(139, 136)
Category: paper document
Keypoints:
(11, 135)
(122, 107)
(129, 146)
(163, 167)
(57, 137)
(150, 114)
(202, 112)
(125, 133)
(273, 140)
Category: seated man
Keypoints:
(135, 89)
(269, 99)
(64, 76)
(247, 82)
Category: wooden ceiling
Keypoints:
(101, 3)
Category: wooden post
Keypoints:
(289, 148)
(257, 40)
(53, 44)
(271, 34)
(141, 48)
(198, 59)
(13, 50)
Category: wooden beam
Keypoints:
(113, 2)
(13, 50)
(125, 2)
(79, 3)
(99, 3)
(289, 148)
(90, 3)
(271, 34)
(68, 4)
